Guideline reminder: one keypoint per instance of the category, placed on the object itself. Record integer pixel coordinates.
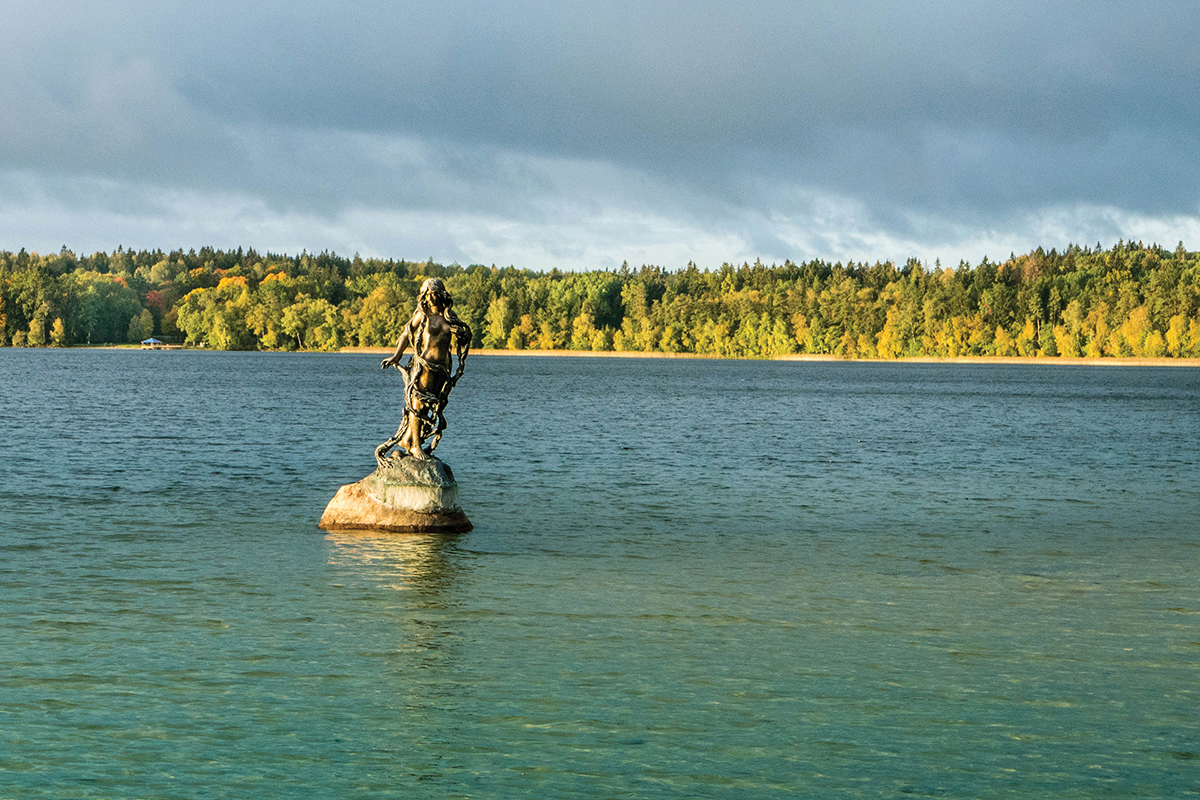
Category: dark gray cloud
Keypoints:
(576, 131)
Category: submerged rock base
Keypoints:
(404, 495)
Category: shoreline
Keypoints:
(1130, 361)
(1044, 360)
(483, 351)
(1048, 360)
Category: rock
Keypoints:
(404, 495)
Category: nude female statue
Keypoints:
(427, 376)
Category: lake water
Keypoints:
(686, 579)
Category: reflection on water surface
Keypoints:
(420, 562)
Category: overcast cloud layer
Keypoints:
(548, 134)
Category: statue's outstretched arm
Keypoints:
(401, 345)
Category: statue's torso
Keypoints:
(433, 344)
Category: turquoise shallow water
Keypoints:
(687, 579)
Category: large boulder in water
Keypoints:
(404, 495)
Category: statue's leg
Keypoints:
(416, 432)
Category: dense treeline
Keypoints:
(1129, 300)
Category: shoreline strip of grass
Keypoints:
(1046, 360)
(1110, 362)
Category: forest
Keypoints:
(1127, 300)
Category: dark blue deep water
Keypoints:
(687, 579)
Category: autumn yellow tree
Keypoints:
(1026, 340)
(1003, 344)
(58, 333)
(1176, 339)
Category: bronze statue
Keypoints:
(427, 375)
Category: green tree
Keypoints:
(499, 322)
(141, 326)
(106, 305)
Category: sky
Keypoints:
(582, 135)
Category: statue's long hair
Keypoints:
(434, 289)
